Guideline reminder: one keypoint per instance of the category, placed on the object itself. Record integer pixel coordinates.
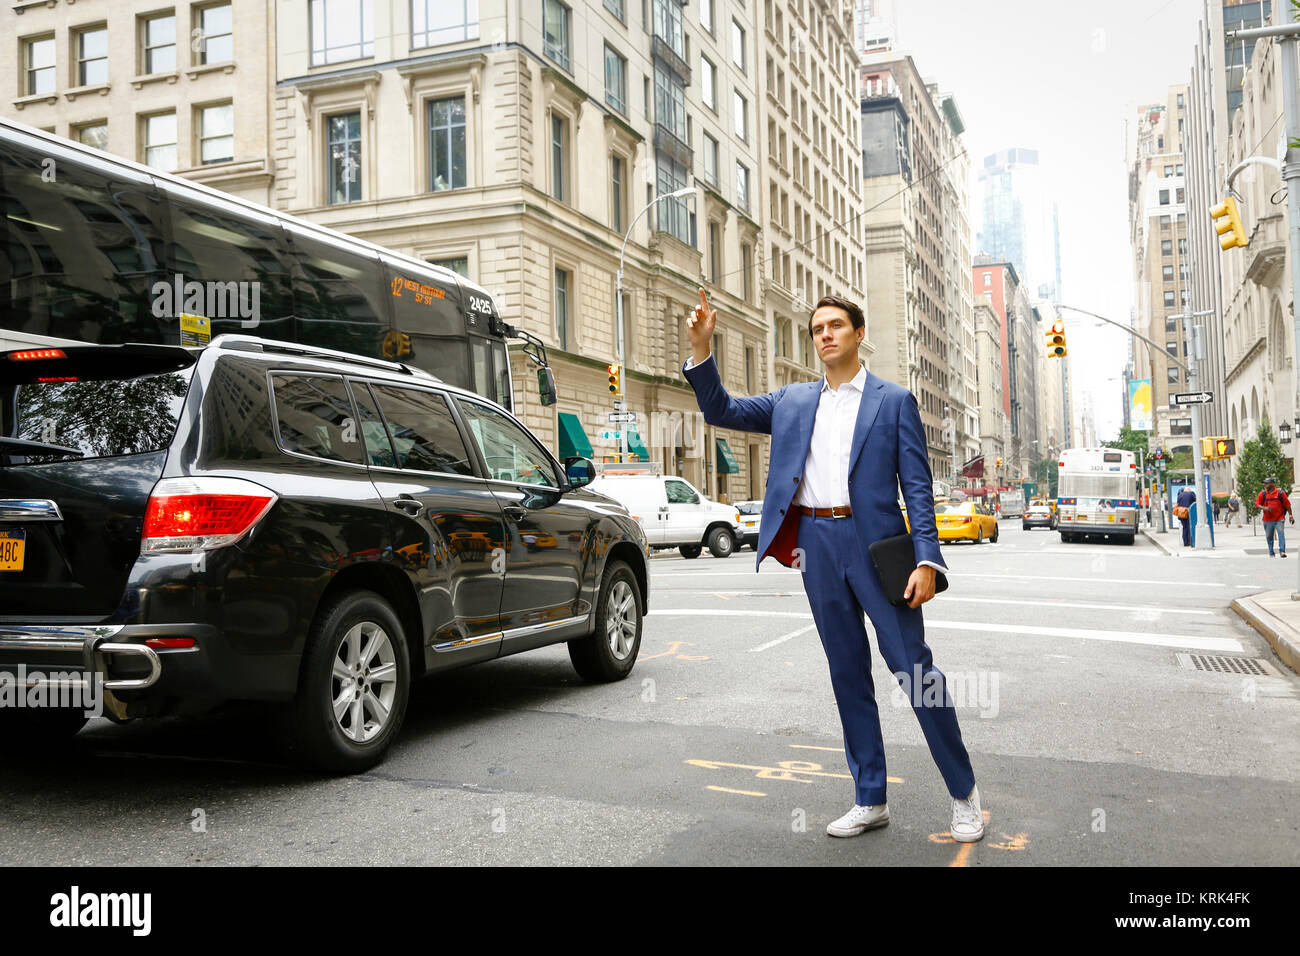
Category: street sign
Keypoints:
(622, 416)
(1193, 398)
(611, 435)
(620, 404)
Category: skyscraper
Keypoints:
(1017, 220)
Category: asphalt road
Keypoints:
(1092, 742)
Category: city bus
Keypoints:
(1097, 494)
(98, 249)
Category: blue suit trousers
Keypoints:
(841, 584)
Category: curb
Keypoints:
(1282, 638)
(1150, 536)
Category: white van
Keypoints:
(674, 514)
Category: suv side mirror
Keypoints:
(579, 472)
(546, 385)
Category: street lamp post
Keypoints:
(618, 295)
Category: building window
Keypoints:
(615, 80)
(458, 265)
(741, 109)
(1164, 223)
(668, 25)
(618, 192)
(749, 369)
(1171, 324)
(340, 30)
(216, 134)
(1166, 247)
(92, 57)
(343, 134)
(160, 141)
(1180, 105)
(742, 187)
(1178, 195)
(706, 15)
(559, 156)
(562, 308)
(709, 83)
(555, 31)
(747, 271)
(710, 160)
(1168, 272)
(715, 251)
(1171, 375)
(94, 135)
(216, 33)
(40, 66)
(1164, 197)
(988, 280)
(673, 213)
(434, 22)
(160, 44)
(1182, 247)
(1172, 348)
(447, 144)
(738, 45)
(616, 7)
(1180, 426)
(1169, 299)
(1169, 170)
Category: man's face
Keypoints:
(833, 333)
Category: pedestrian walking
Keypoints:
(1275, 505)
(1183, 511)
(841, 448)
(1215, 516)
(1234, 510)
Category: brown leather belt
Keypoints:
(839, 511)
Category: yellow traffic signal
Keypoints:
(1056, 340)
(615, 379)
(1217, 448)
(999, 462)
(397, 345)
(1231, 232)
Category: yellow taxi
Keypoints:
(967, 521)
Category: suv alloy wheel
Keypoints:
(354, 684)
(608, 652)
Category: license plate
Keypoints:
(13, 543)
(750, 524)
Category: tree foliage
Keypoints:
(1046, 474)
(1129, 440)
(1261, 458)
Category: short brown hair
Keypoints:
(853, 310)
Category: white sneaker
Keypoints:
(858, 820)
(967, 820)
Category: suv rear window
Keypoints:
(314, 416)
(90, 407)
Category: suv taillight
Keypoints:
(200, 514)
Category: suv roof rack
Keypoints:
(252, 343)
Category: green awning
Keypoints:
(726, 460)
(573, 440)
(636, 446)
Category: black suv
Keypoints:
(254, 520)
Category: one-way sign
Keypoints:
(616, 417)
(1193, 398)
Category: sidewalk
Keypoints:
(1277, 618)
(1231, 542)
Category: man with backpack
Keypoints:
(1275, 505)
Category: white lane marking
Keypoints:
(959, 573)
(1189, 641)
(783, 639)
(1122, 637)
(1051, 605)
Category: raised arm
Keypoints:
(751, 414)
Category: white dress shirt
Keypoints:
(825, 481)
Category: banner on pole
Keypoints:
(1139, 404)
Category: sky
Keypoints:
(1064, 79)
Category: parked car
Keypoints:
(675, 514)
(751, 519)
(1039, 516)
(257, 521)
(968, 521)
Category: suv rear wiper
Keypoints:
(39, 447)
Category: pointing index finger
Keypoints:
(704, 301)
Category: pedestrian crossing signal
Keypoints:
(615, 379)
(1216, 449)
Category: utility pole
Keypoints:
(1195, 353)
(1288, 34)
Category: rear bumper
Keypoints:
(118, 656)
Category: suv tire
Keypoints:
(608, 653)
(355, 637)
(689, 550)
(722, 543)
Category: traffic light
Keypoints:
(1215, 449)
(1056, 340)
(1231, 232)
(999, 462)
(397, 345)
(615, 379)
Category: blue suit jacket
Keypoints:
(888, 451)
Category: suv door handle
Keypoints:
(412, 506)
(515, 513)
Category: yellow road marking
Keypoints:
(747, 793)
(784, 770)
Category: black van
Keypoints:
(258, 520)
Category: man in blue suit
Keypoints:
(841, 448)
